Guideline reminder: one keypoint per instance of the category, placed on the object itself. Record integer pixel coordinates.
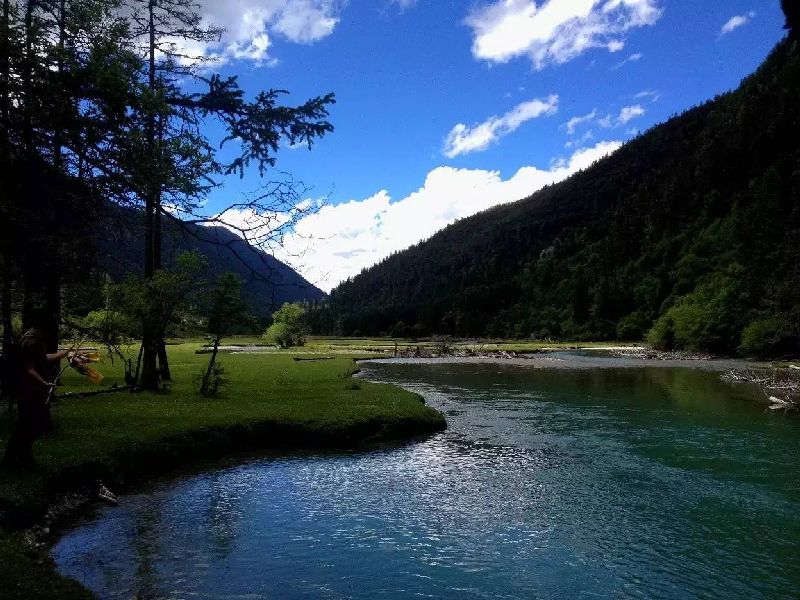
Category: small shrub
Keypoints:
(767, 337)
(216, 380)
(705, 320)
(289, 327)
(662, 335)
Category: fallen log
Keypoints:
(114, 388)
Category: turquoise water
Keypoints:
(606, 483)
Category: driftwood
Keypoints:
(782, 387)
(466, 352)
(106, 495)
(771, 378)
(114, 388)
(651, 354)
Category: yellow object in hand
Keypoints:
(95, 376)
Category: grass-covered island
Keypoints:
(272, 401)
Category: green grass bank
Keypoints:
(271, 402)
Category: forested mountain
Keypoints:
(267, 282)
(690, 232)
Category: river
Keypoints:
(607, 482)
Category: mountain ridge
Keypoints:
(610, 251)
(266, 281)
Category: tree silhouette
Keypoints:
(102, 103)
(791, 8)
(174, 163)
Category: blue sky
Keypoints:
(445, 108)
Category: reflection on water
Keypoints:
(598, 483)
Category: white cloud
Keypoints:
(251, 25)
(632, 58)
(463, 139)
(628, 113)
(339, 241)
(576, 122)
(615, 46)
(651, 95)
(555, 31)
(736, 22)
(306, 21)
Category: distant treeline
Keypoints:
(689, 234)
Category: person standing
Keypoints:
(33, 394)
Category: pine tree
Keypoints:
(58, 113)
(172, 160)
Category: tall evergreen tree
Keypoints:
(179, 162)
(53, 105)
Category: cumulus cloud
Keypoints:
(735, 22)
(555, 31)
(627, 114)
(306, 21)
(463, 139)
(251, 25)
(339, 241)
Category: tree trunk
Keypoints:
(6, 384)
(6, 311)
(28, 303)
(163, 359)
(204, 386)
(51, 315)
(5, 100)
(149, 374)
(41, 303)
(52, 310)
(150, 338)
(138, 364)
(163, 363)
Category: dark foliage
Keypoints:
(791, 8)
(693, 226)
